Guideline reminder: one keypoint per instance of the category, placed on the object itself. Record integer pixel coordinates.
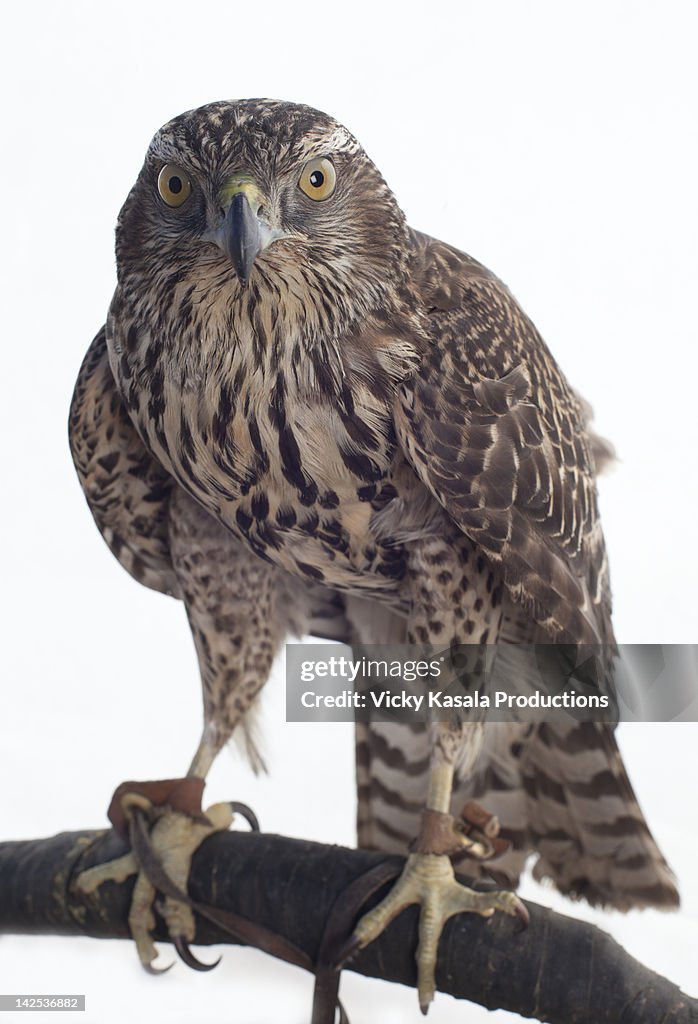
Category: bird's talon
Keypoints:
(348, 951)
(156, 970)
(186, 956)
(164, 832)
(136, 803)
(149, 969)
(429, 881)
(247, 813)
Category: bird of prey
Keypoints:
(303, 416)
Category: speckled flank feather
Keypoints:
(127, 489)
(369, 439)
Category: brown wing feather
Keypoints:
(495, 432)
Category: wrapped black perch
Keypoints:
(558, 969)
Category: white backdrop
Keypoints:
(557, 145)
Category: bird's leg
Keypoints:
(206, 753)
(428, 878)
(239, 613)
(454, 594)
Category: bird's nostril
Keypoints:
(261, 210)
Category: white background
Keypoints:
(556, 143)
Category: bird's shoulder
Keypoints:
(464, 304)
(443, 274)
(478, 339)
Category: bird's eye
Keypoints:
(318, 179)
(173, 185)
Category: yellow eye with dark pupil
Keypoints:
(318, 179)
(173, 185)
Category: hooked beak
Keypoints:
(241, 233)
(240, 236)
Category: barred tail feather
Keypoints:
(561, 793)
(585, 823)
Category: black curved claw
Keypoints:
(346, 952)
(156, 970)
(247, 813)
(186, 955)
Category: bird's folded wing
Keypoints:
(128, 492)
(494, 431)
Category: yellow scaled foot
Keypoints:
(428, 879)
(174, 837)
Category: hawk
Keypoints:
(303, 416)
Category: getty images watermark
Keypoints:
(496, 682)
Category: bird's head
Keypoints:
(254, 199)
